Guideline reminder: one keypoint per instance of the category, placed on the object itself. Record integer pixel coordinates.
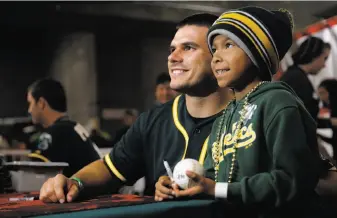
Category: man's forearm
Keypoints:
(97, 179)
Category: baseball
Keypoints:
(179, 172)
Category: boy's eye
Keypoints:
(213, 50)
(229, 45)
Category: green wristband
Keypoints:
(79, 182)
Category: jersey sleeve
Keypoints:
(126, 159)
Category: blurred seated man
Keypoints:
(163, 92)
(63, 140)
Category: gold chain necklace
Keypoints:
(217, 145)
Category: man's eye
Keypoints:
(187, 48)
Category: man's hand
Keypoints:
(164, 189)
(203, 185)
(58, 189)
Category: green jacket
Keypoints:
(277, 159)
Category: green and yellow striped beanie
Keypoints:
(264, 35)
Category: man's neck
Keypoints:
(52, 117)
(202, 107)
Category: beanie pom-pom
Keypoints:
(289, 15)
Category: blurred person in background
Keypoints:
(163, 92)
(62, 140)
(327, 92)
(327, 117)
(309, 59)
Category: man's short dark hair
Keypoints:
(163, 78)
(200, 19)
(52, 91)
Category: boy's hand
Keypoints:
(203, 185)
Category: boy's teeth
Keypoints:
(220, 71)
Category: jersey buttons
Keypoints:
(197, 131)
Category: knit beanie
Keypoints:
(264, 35)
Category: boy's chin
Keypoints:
(222, 84)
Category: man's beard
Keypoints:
(203, 88)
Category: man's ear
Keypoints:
(42, 103)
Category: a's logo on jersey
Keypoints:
(44, 141)
(243, 137)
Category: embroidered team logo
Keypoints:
(45, 141)
(243, 137)
(249, 113)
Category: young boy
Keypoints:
(263, 150)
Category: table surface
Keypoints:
(108, 206)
